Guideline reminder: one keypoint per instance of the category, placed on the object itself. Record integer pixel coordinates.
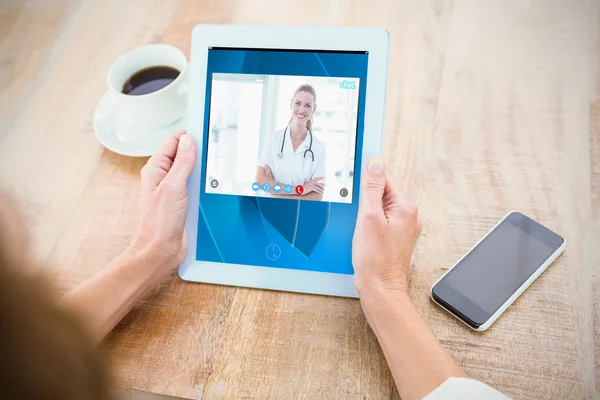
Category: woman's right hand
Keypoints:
(313, 186)
(387, 229)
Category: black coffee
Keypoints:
(149, 80)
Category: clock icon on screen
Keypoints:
(273, 252)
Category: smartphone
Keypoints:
(494, 273)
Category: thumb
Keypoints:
(184, 161)
(373, 185)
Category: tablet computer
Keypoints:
(284, 120)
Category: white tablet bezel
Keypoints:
(373, 40)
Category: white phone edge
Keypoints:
(515, 295)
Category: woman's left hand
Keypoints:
(161, 232)
(314, 186)
(158, 246)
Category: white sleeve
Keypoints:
(464, 389)
(265, 153)
(320, 166)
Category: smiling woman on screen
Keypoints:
(292, 155)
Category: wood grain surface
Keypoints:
(492, 106)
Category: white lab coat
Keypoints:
(293, 168)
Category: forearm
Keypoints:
(417, 360)
(265, 179)
(262, 178)
(105, 298)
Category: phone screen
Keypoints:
(495, 269)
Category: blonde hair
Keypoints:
(46, 352)
(308, 89)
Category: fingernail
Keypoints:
(185, 143)
(376, 166)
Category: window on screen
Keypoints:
(282, 136)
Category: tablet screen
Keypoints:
(281, 157)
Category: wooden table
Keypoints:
(491, 106)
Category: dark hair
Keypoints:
(45, 352)
(308, 89)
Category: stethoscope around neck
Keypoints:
(307, 151)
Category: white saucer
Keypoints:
(124, 137)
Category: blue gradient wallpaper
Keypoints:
(271, 232)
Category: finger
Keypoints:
(160, 163)
(391, 194)
(373, 186)
(168, 148)
(396, 203)
(184, 161)
(394, 195)
(315, 180)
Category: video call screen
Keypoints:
(281, 156)
(282, 136)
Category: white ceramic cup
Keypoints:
(156, 109)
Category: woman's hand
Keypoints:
(313, 186)
(387, 229)
(158, 246)
(164, 202)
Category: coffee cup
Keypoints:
(153, 108)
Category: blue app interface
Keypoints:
(281, 158)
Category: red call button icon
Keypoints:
(299, 189)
